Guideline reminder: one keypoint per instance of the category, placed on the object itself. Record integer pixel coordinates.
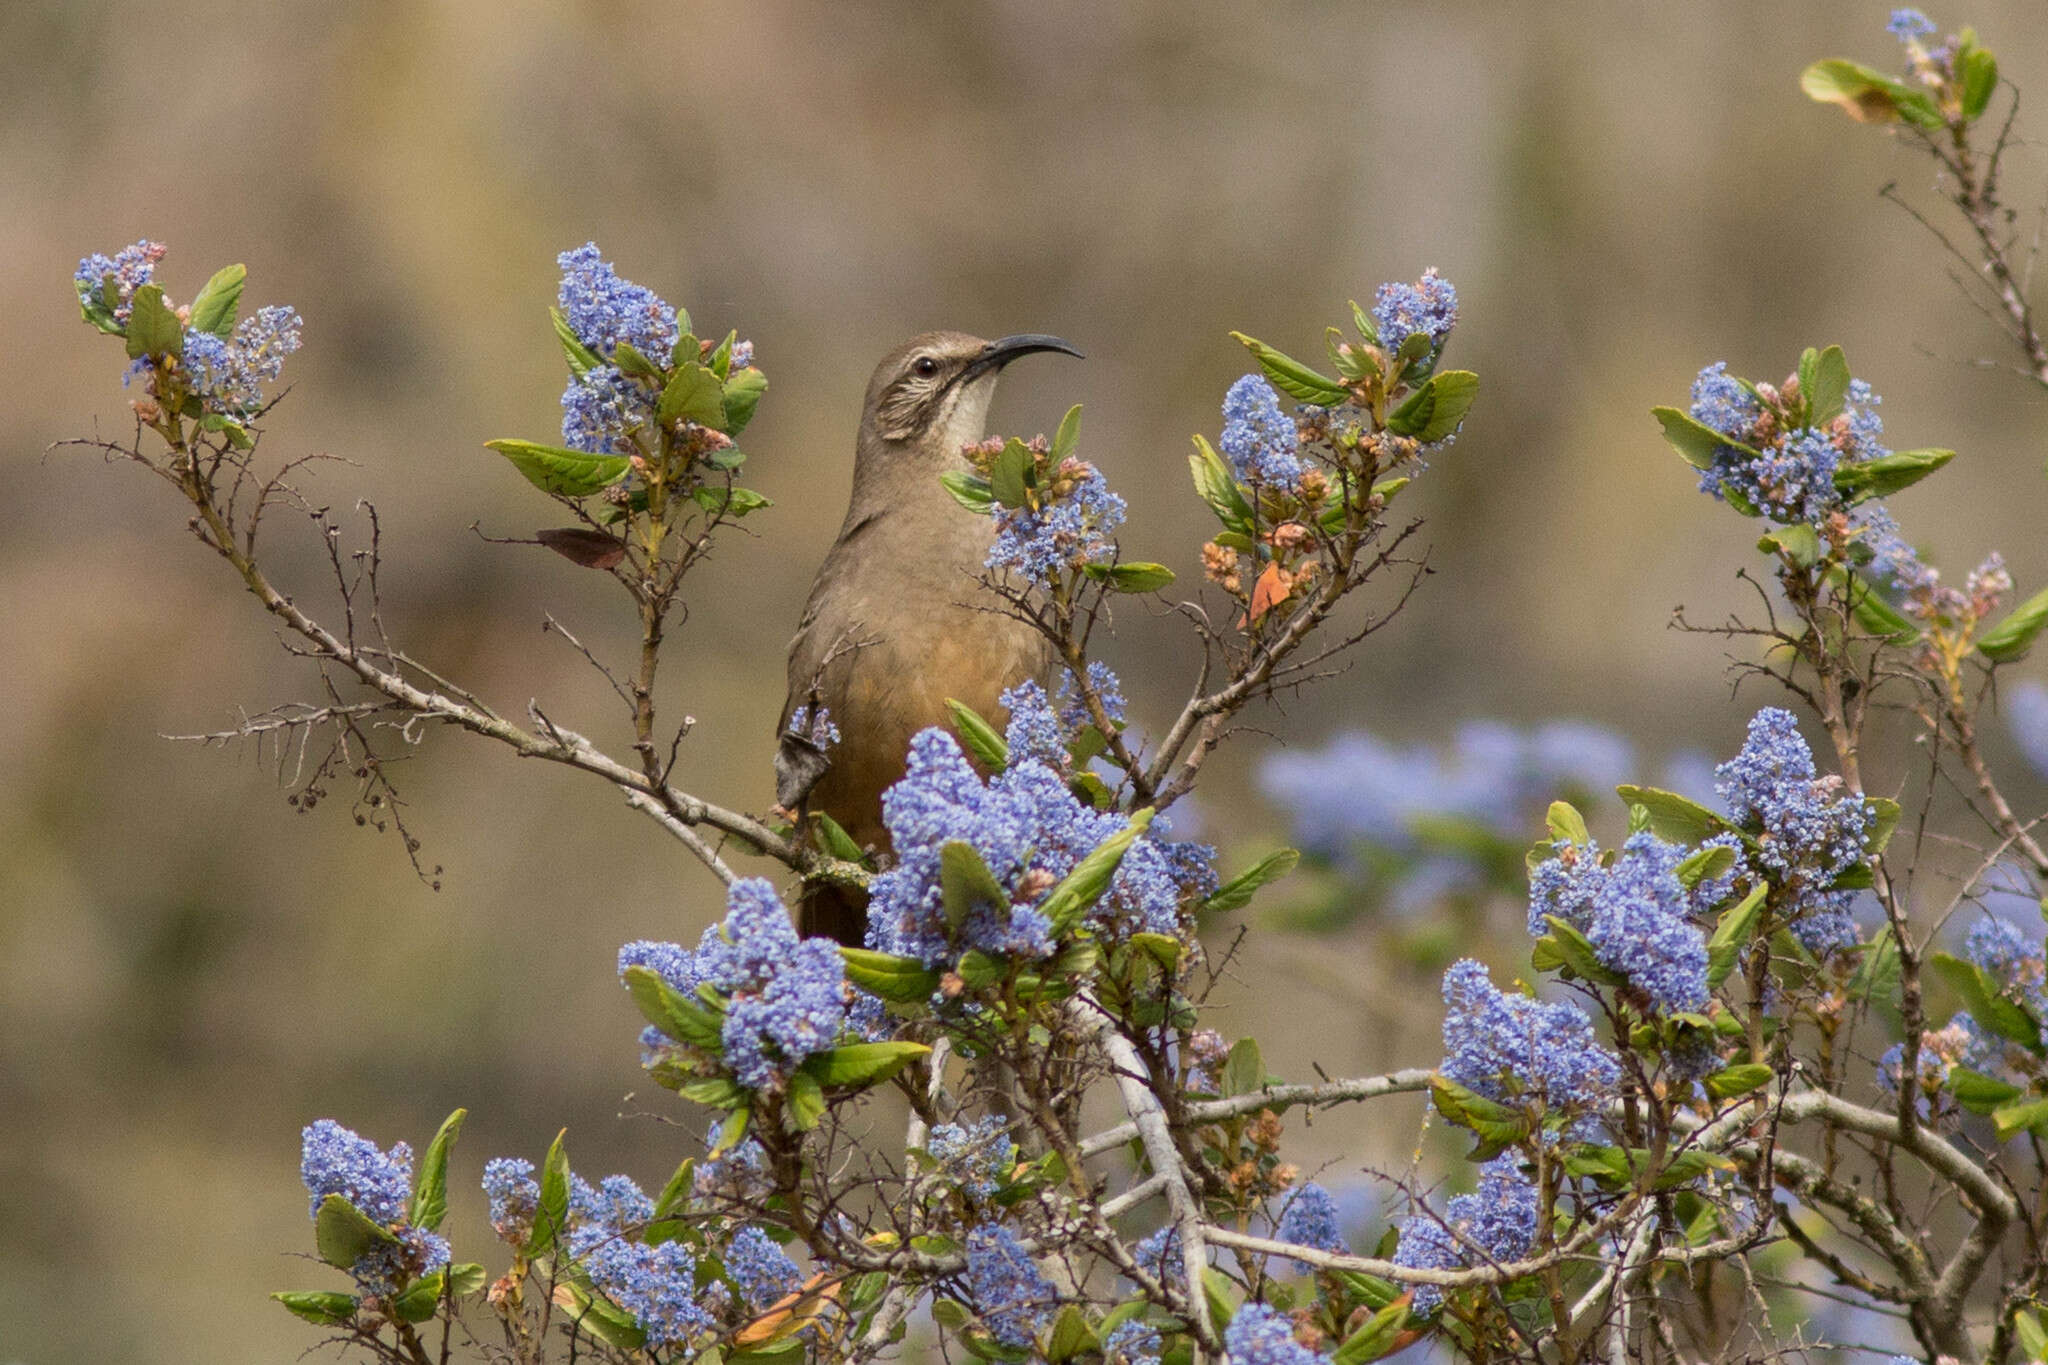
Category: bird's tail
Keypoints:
(835, 912)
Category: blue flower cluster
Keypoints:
(1012, 1298)
(604, 310)
(602, 408)
(656, 1284)
(334, 1160)
(615, 1207)
(1809, 829)
(514, 1194)
(229, 374)
(1108, 690)
(1261, 1335)
(1429, 306)
(1260, 440)
(132, 267)
(1635, 912)
(1791, 476)
(761, 1269)
(786, 997)
(2011, 959)
(1507, 1047)
(1311, 1221)
(816, 727)
(1132, 1342)
(1962, 1042)
(1063, 531)
(1031, 830)
(1495, 1223)
(973, 1156)
(1916, 585)
(1908, 24)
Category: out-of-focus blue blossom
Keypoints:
(1012, 1298)
(2012, 958)
(1259, 438)
(1908, 24)
(761, 1269)
(1961, 1043)
(742, 356)
(973, 1156)
(1062, 533)
(816, 727)
(604, 310)
(1259, 1335)
(1508, 1047)
(1429, 306)
(1030, 830)
(334, 1160)
(2026, 716)
(1110, 691)
(387, 1265)
(514, 1196)
(1495, 1223)
(657, 1285)
(739, 1174)
(1634, 913)
(132, 267)
(1810, 825)
(1311, 1221)
(1132, 1342)
(1158, 1253)
(602, 408)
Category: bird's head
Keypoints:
(933, 391)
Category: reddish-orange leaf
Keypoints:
(1273, 588)
(791, 1314)
(591, 549)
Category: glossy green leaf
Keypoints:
(1797, 543)
(345, 1234)
(1450, 395)
(1976, 79)
(1676, 819)
(1989, 1008)
(743, 392)
(607, 1322)
(582, 360)
(323, 1307)
(983, 741)
(903, 980)
(729, 502)
(833, 838)
(1134, 576)
(214, 309)
(557, 469)
(1237, 893)
(1867, 95)
(153, 329)
(1564, 946)
(1374, 1338)
(1826, 386)
(803, 1102)
(1068, 436)
(1886, 475)
(1872, 612)
(1078, 891)
(551, 1213)
(1496, 1125)
(1292, 377)
(862, 1063)
(1566, 825)
(719, 362)
(692, 394)
(1695, 441)
(1705, 864)
(1884, 821)
(1218, 487)
(970, 490)
(1740, 1079)
(965, 882)
(1732, 933)
(2014, 636)
(430, 1185)
(1070, 1337)
(661, 1005)
(1979, 1093)
(1244, 1071)
(2028, 1116)
(630, 360)
(1009, 478)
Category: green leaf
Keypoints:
(1070, 1337)
(2014, 1119)
(1676, 819)
(1695, 441)
(1160, 948)
(1872, 612)
(1133, 577)
(1009, 478)
(1453, 392)
(742, 395)
(1739, 1079)
(1221, 1293)
(1496, 1125)
(609, 1324)
(153, 329)
(421, 1298)
(803, 1101)
(1732, 934)
(833, 838)
(1826, 388)
(557, 469)
(983, 740)
(720, 361)
(551, 1213)
(661, 1005)
(731, 502)
(1566, 825)
(1800, 544)
(344, 1233)
(965, 883)
(1886, 475)
(970, 490)
(214, 310)
(1081, 888)
(1292, 377)
(1884, 820)
(1705, 864)
(1976, 78)
(1374, 1338)
(1979, 1093)
(1566, 947)
(1218, 487)
(692, 394)
(1877, 972)
(715, 1092)
(1237, 893)
(323, 1307)
(582, 360)
(630, 360)
(1868, 96)
(1068, 436)
(1413, 415)
(430, 1186)
(730, 1133)
(1245, 1070)
(862, 1064)
(903, 980)
(2014, 636)
(1362, 320)
(2033, 1338)
(675, 1196)
(1989, 1008)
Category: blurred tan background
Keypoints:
(189, 971)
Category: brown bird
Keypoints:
(896, 623)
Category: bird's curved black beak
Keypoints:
(1002, 351)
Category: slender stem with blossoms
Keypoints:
(1730, 1077)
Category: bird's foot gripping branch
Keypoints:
(1738, 1077)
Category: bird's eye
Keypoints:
(925, 367)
